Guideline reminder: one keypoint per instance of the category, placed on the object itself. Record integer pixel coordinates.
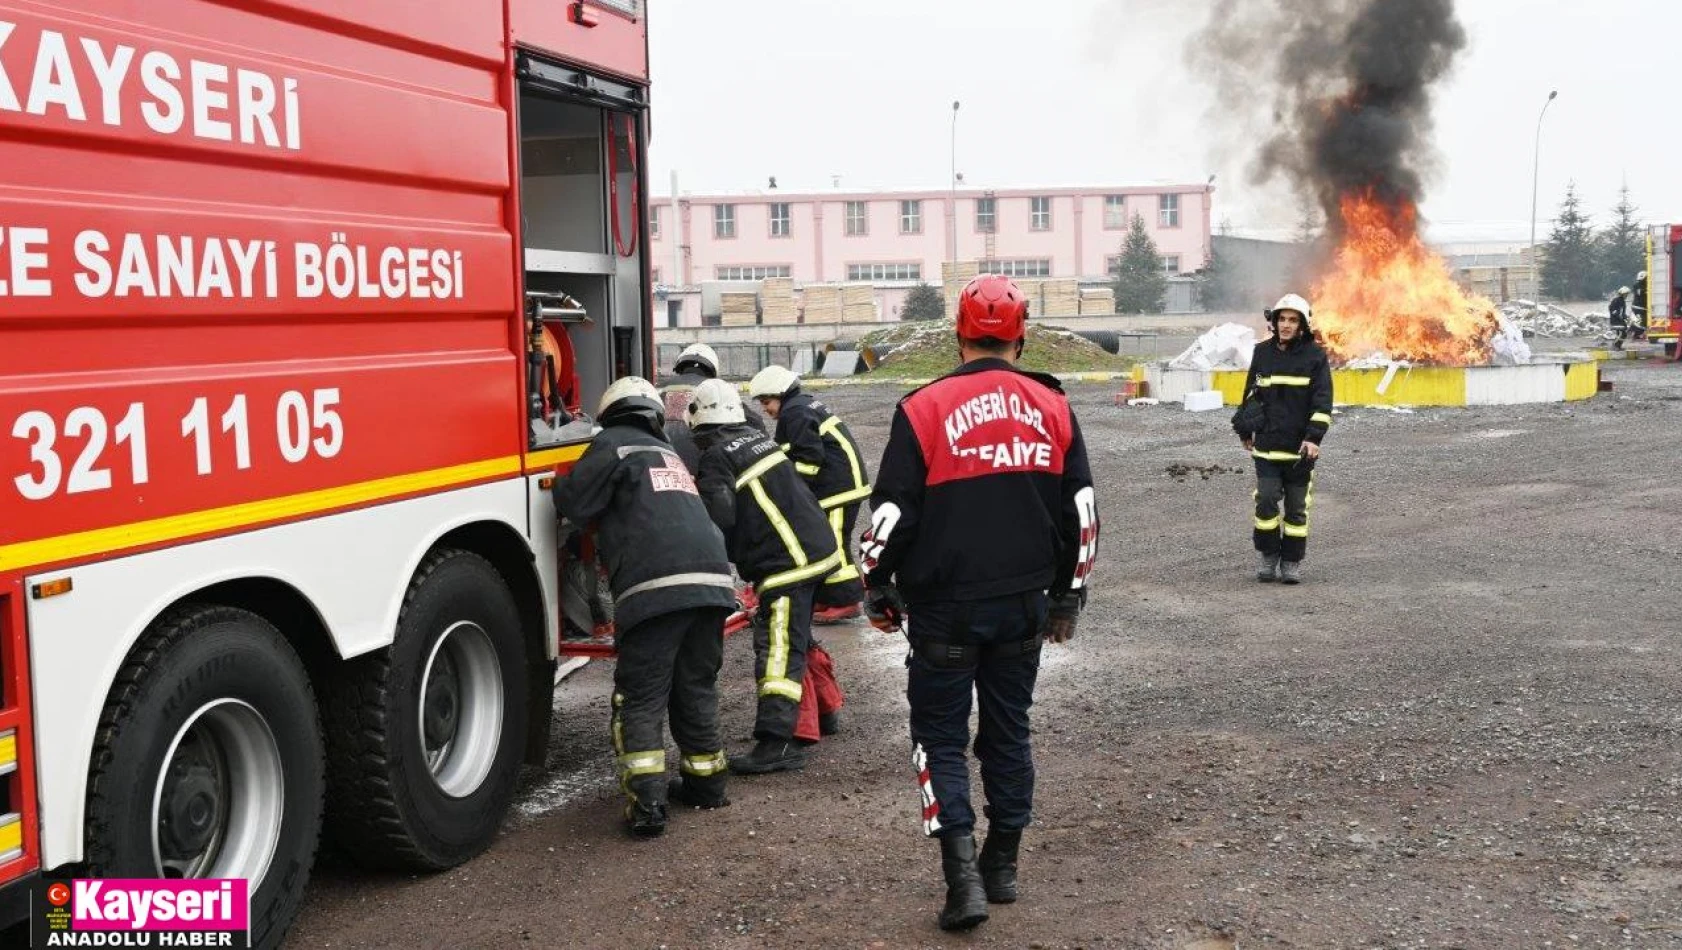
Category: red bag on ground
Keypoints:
(820, 694)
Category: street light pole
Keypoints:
(952, 210)
(1535, 184)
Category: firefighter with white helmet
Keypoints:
(1286, 412)
(780, 542)
(695, 365)
(670, 575)
(1617, 313)
(1638, 302)
(825, 453)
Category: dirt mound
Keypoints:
(927, 349)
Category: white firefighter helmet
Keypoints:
(1640, 277)
(699, 355)
(629, 388)
(716, 403)
(1623, 291)
(773, 381)
(1292, 302)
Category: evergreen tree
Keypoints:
(1570, 269)
(1141, 286)
(1622, 246)
(924, 302)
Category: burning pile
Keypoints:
(1348, 127)
(1387, 293)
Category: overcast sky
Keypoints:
(1095, 92)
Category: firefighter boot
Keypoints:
(998, 865)
(696, 792)
(645, 816)
(1267, 569)
(770, 755)
(1290, 572)
(829, 723)
(966, 898)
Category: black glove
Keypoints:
(885, 608)
(1061, 618)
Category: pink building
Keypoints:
(896, 239)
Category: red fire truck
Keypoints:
(1664, 285)
(300, 302)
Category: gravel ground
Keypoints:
(1461, 731)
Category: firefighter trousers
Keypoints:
(668, 665)
(988, 649)
(782, 633)
(844, 588)
(1283, 533)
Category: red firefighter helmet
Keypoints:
(992, 306)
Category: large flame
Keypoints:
(1387, 293)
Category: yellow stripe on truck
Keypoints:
(11, 834)
(8, 751)
(87, 544)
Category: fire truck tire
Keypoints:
(208, 763)
(425, 739)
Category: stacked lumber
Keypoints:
(1062, 298)
(858, 303)
(1097, 301)
(738, 309)
(823, 303)
(777, 301)
(954, 277)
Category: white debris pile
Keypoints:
(1228, 346)
(1546, 320)
(1508, 348)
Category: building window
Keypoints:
(656, 276)
(911, 217)
(1115, 212)
(1040, 214)
(1112, 265)
(882, 273)
(986, 215)
(858, 218)
(1168, 211)
(1037, 267)
(654, 222)
(1171, 264)
(724, 221)
(752, 272)
(782, 224)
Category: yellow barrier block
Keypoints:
(1230, 384)
(1420, 386)
(1582, 381)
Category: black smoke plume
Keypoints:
(1347, 89)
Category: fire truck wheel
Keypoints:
(208, 763)
(425, 739)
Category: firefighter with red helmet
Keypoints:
(1286, 411)
(983, 533)
(781, 542)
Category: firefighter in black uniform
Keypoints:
(695, 365)
(1638, 302)
(984, 528)
(670, 575)
(1286, 411)
(826, 455)
(1617, 313)
(781, 543)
